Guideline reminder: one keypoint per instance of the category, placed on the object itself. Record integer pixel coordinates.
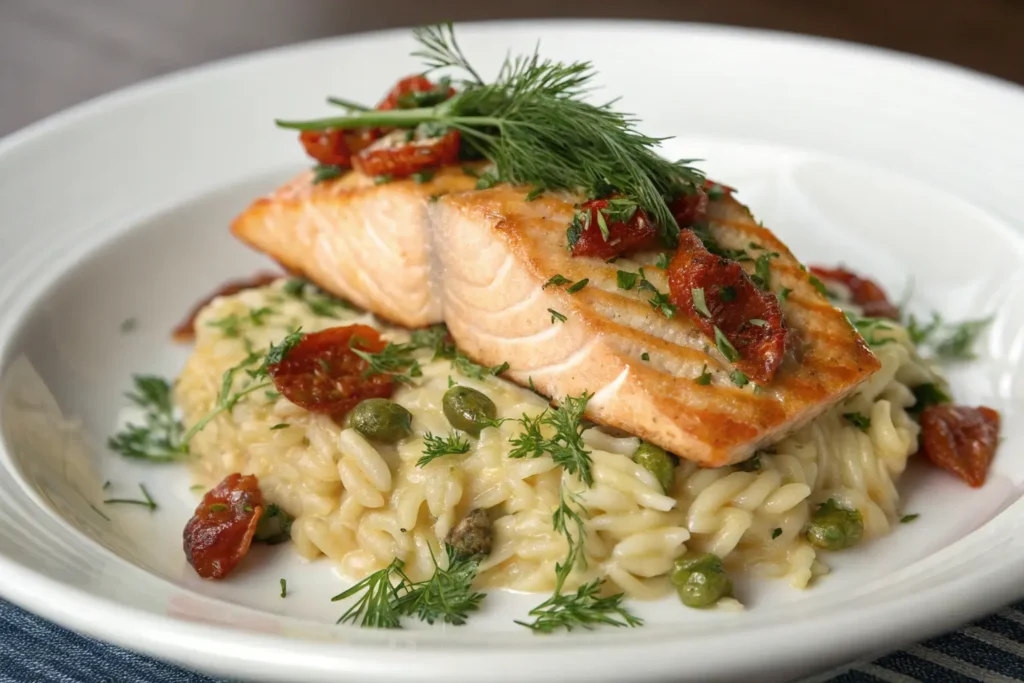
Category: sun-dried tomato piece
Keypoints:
(393, 155)
(220, 532)
(323, 374)
(327, 146)
(629, 229)
(689, 209)
(866, 293)
(186, 329)
(415, 91)
(748, 317)
(960, 439)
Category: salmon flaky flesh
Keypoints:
(440, 251)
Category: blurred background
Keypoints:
(55, 53)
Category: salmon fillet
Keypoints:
(478, 261)
(367, 243)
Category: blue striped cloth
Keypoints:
(33, 650)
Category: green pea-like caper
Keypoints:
(657, 462)
(468, 409)
(701, 580)
(381, 420)
(833, 527)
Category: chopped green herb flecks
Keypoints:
(700, 302)
(662, 261)
(858, 420)
(645, 356)
(146, 502)
(704, 378)
(578, 286)
(556, 316)
(625, 279)
(725, 346)
(960, 344)
(907, 519)
(776, 532)
(556, 280)
(739, 379)
(325, 172)
(284, 588)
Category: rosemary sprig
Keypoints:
(535, 126)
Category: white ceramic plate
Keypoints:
(900, 167)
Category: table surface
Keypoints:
(55, 53)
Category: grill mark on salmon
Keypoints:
(478, 260)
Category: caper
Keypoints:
(381, 420)
(472, 536)
(468, 409)
(659, 463)
(701, 580)
(833, 527)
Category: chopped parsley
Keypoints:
(645, 356)
(776, 532)
(700, 302)
(556, 280)
(858, 420)
(436, 447)
(725, 346)
(907, 519)
(819, 286)
(704, 378)
(625, 279)
(279, 425)
(757, 322)
(763, 270)
(534, 193)
(284, 588)
(715, 192)
(662, 261)
(317, 300)
(324, 172)
(578, 286)
(423, 176)
(739, 379)
(751, 464)
(556, 316)
(394, 359)
(784, 294)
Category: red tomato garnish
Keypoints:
(186, 329)
(689, 209)
(220, 532)
(866, 293)
(409, 84)
(960, 439)
(393, 156)
(323, 375)
(326, 146)
(636, 233)
(749, 317)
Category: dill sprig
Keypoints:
(566, 446)
(159, 436)
(447, 596)
(394, 359)
(535, 126)
(436, 447)
(388, 594)
(377, 606)
(147, 501)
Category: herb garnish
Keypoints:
(447, 596)
(534, 125)
(704, 378)
(960, 344)
(625, 279)
(566, 446)
(159, 438)
(556, 280)
(578, 286)
(148, 502)
(739, 379)
(284, 588)
(324, 172)
(776, 532)
(436, 447)
(906, 519)
(929, 394)
(819, 286)
(858, 420)
(699, 302)
(662, 261)
(394, 359)
(645, 356)
(556, 316)
(423, 176)
(129, 325)
(725, 346)
(659, 301)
